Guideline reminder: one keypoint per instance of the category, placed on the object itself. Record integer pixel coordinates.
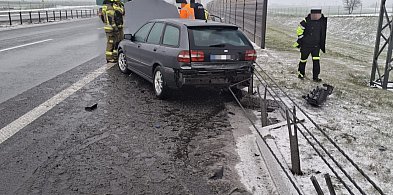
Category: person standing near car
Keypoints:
(199, 10)
(311, 34)
(186, 11)
(118, 6)
(113, 20)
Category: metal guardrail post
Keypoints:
(329, 184)
(263, 105)
(90, 13)
(72, 16)
(20, 17)
(39, 17)
(86, 13)
(316, 185)
(66, 14)
(251, 86)
(9, 17)
(293, 142)
(60, 15)
(54, 16)
(47, 17)
(31, 21)
(76, 13)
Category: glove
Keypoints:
(296, 45)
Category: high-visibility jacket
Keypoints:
(312, 33)
(207, 15)
(113, 16)
(187, 12)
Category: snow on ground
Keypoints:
(357, 117)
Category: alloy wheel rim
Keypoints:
(122, 62)
(158, 82)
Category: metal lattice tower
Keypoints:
(380, 78)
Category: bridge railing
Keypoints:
(30, 16)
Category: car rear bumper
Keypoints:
(212, 77)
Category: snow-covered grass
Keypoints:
(357, 117)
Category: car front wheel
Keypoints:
(123, 63)
(160, 89)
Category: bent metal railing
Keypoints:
(262, 79)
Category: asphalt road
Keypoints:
(30, 56)
(132, 143)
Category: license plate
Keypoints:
(220, 57)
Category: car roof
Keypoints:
(192, 23)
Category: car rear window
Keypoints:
(217, 37)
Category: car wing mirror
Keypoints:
(129, 37)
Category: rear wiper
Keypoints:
(218, 45)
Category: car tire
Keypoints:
(122, 63)
(159, 86)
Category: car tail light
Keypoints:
(184, 56)
(187, 57)
(251, 55)
(197, 56)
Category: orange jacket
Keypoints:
(187, 12)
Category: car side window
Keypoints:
(142, 33)
(155, 34)
(171, 36)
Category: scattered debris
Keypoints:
(382, 148)
(218, 173)
(91, 108)
(319, 95)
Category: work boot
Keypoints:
(317, 80)
(300, 76)
(110, 61)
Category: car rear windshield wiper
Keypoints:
(218, 45)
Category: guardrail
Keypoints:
(13, 17)
(334, 158)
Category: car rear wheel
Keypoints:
(160, 89)
(123, 63)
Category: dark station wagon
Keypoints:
(172, 53)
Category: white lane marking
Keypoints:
(28, 44)
(15, 126)
(100, 28)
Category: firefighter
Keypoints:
(113, 20)
(186, 12)
(311, 34)
(119, 20)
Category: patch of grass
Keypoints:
(276, 39)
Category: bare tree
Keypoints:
(350, 5)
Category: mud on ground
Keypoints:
(132, 143)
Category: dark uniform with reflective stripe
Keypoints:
(311, 39)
